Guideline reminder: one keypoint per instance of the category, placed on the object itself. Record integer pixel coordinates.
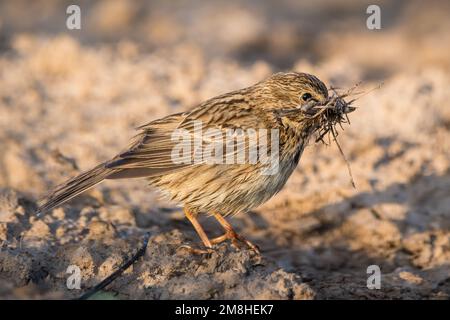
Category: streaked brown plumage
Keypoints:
(216, 189)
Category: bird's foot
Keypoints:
(196, 251)
(236, 240)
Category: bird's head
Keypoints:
(294, 89)
(301, 100)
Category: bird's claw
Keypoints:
(196, 251)
(237, 241)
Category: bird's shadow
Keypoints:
(425, 199)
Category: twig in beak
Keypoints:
(352, 181)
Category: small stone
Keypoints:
(410, 277)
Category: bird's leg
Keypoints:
(231, 234)
(201, 233)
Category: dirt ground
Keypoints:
(71, 99)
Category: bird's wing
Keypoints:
(151, 153)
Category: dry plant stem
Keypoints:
(330, 126)
(352, 181)
(328, 122)
(118, 272)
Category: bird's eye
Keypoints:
(306, 96)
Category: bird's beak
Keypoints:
(345, 106)
(349, 109)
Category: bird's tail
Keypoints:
(73, 187)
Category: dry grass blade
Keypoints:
(352, 181)
(331, 114)
(335, 112)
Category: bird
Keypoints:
(288, 107)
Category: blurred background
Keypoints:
(280, 33)
(72, 98)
